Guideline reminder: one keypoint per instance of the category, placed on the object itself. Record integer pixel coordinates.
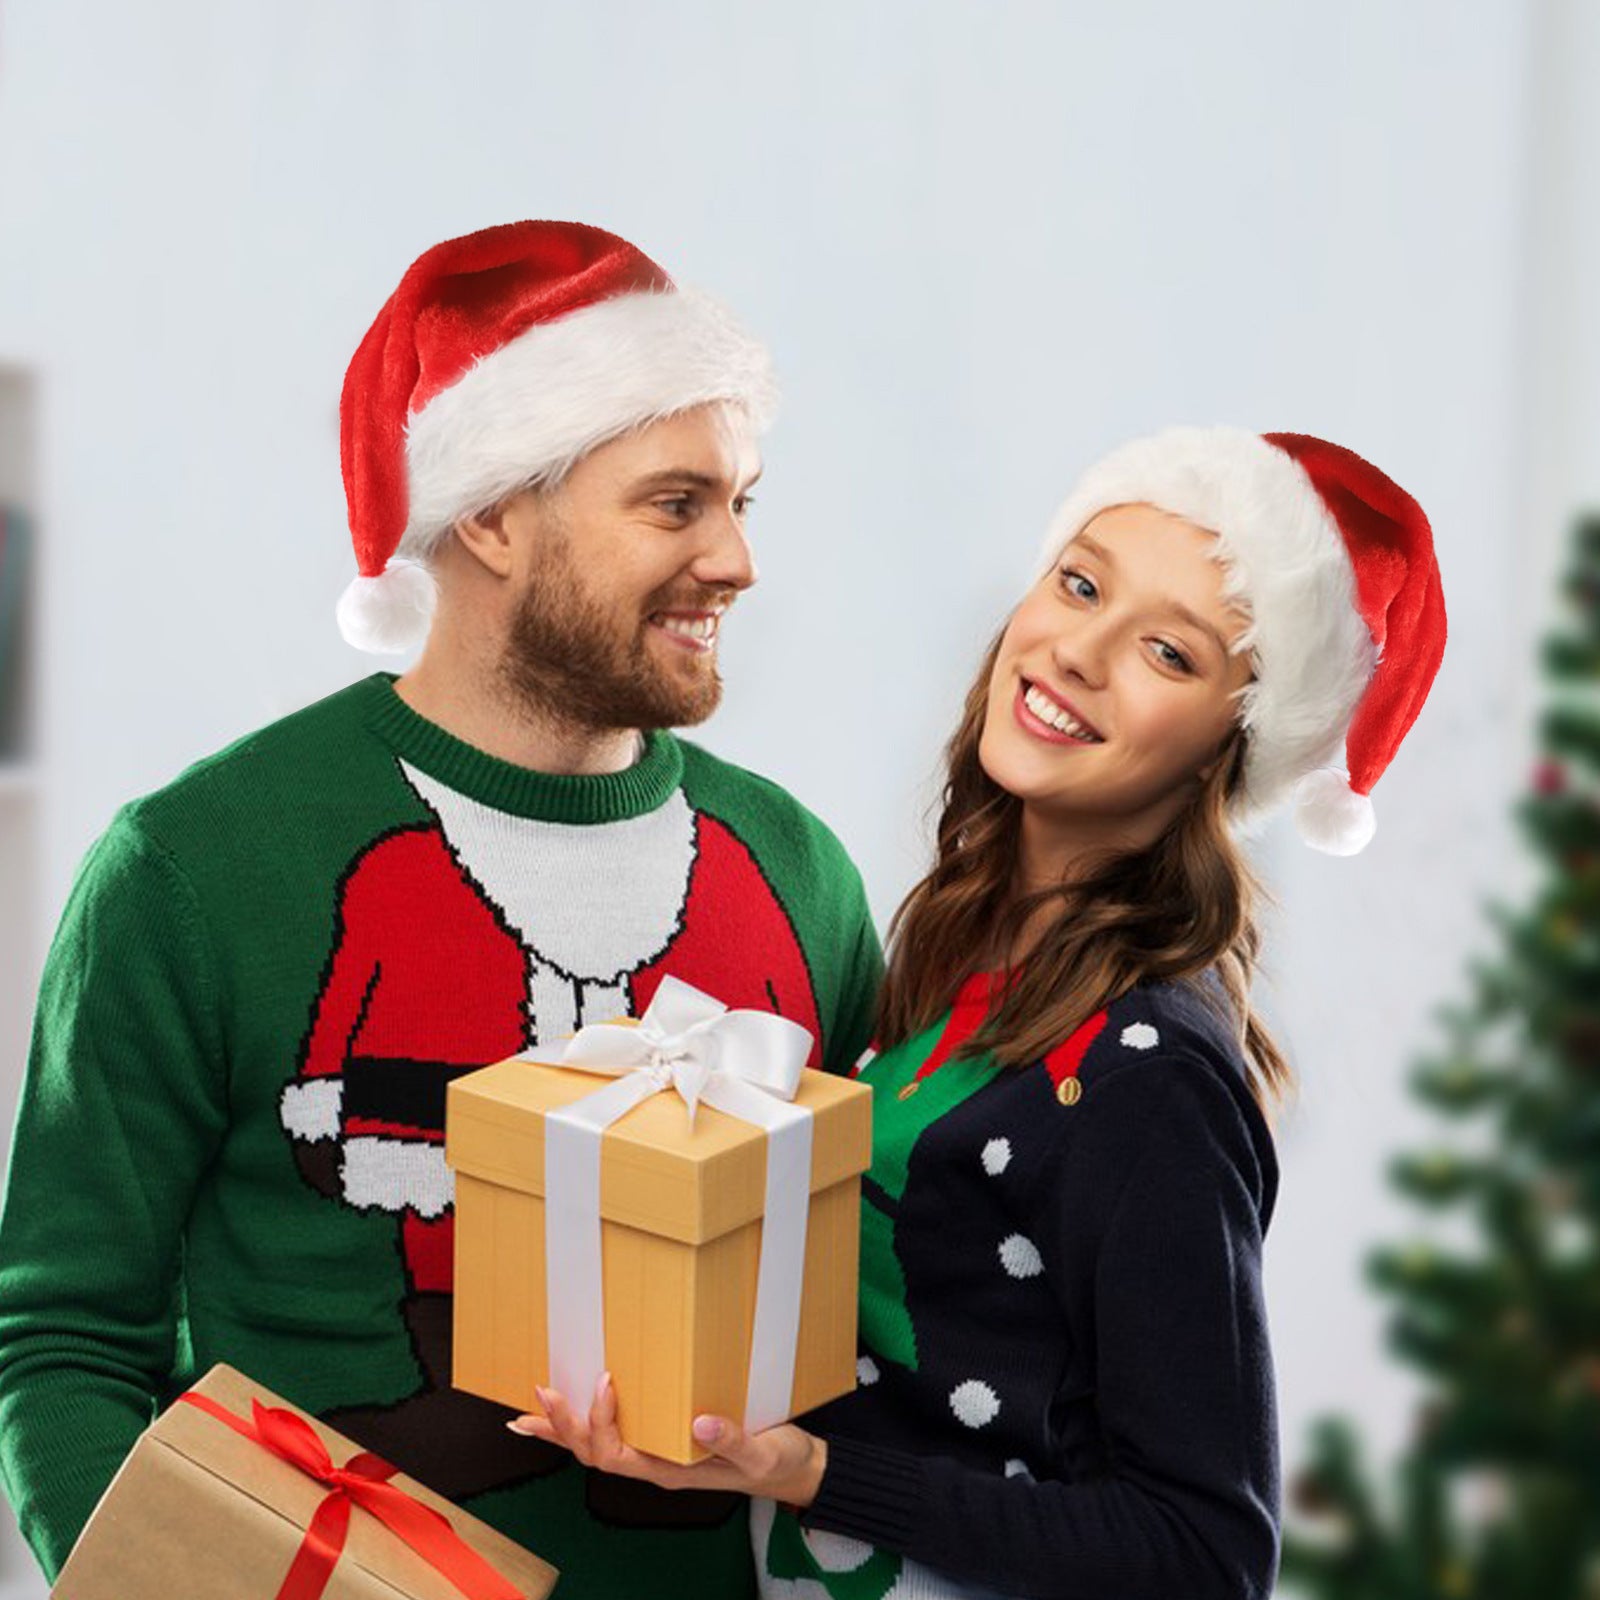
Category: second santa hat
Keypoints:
(1334, 562)
(500, 359)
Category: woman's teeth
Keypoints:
(1046, 710)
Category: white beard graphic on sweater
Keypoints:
(590, 903)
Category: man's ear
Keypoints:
(485, 536)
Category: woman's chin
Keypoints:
(1023, 782)
(998, 769)
(1028, 772)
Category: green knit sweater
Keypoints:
(229, 1145)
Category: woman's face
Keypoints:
(1115, 682)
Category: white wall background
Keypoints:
(985, 243)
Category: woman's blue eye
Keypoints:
(1174, 658)
(1070, 577)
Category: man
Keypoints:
(230, 1139)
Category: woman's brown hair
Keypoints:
(1168, 912)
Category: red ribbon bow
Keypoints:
(360, 1481)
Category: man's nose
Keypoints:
(726, 560)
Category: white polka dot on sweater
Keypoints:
(996, 1156)
(974, 1402)
(1020, 1256)
(866, 1370)
(1140, 1036)
(1018, 1468)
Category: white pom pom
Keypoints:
(1330, 815)
(390, 613)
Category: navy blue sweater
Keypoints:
(1066, 1382)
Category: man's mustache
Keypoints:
(694, 600)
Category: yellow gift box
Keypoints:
(681, 1205)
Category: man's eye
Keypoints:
(742, 504)
(1070, 576)
(676, 506)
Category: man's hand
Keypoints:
(783, 1463)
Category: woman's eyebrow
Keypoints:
(1095, 548)
(1184, 614)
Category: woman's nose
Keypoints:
(1080, 651)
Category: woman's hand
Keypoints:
(783, 1463)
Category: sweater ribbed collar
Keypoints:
(522, 791)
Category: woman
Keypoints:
(1066, 1383)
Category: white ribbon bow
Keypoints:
(746, 1063)
(691, 1042)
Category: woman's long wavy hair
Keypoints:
(1168, 912)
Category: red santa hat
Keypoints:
(500, 359)
(1334, 564)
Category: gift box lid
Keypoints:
(240, 1465)
(657, 1172)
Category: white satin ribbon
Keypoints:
(746, 1063)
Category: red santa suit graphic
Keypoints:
(463, 941)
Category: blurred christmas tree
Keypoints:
(1496, 1496)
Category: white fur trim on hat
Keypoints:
(1285, 564)
(531, 408)
(390, 613)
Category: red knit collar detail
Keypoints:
(971, 1006)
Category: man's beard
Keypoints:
(571, 660)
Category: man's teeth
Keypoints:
(1046, 710)
(691, 627)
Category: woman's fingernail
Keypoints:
(544, 1398)
(518, 1425)
(602, 1385)
(707, 1429)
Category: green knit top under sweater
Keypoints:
(229, 1145)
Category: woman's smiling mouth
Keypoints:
(1044, 716)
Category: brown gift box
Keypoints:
(680, 1214)
(198, 1509)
